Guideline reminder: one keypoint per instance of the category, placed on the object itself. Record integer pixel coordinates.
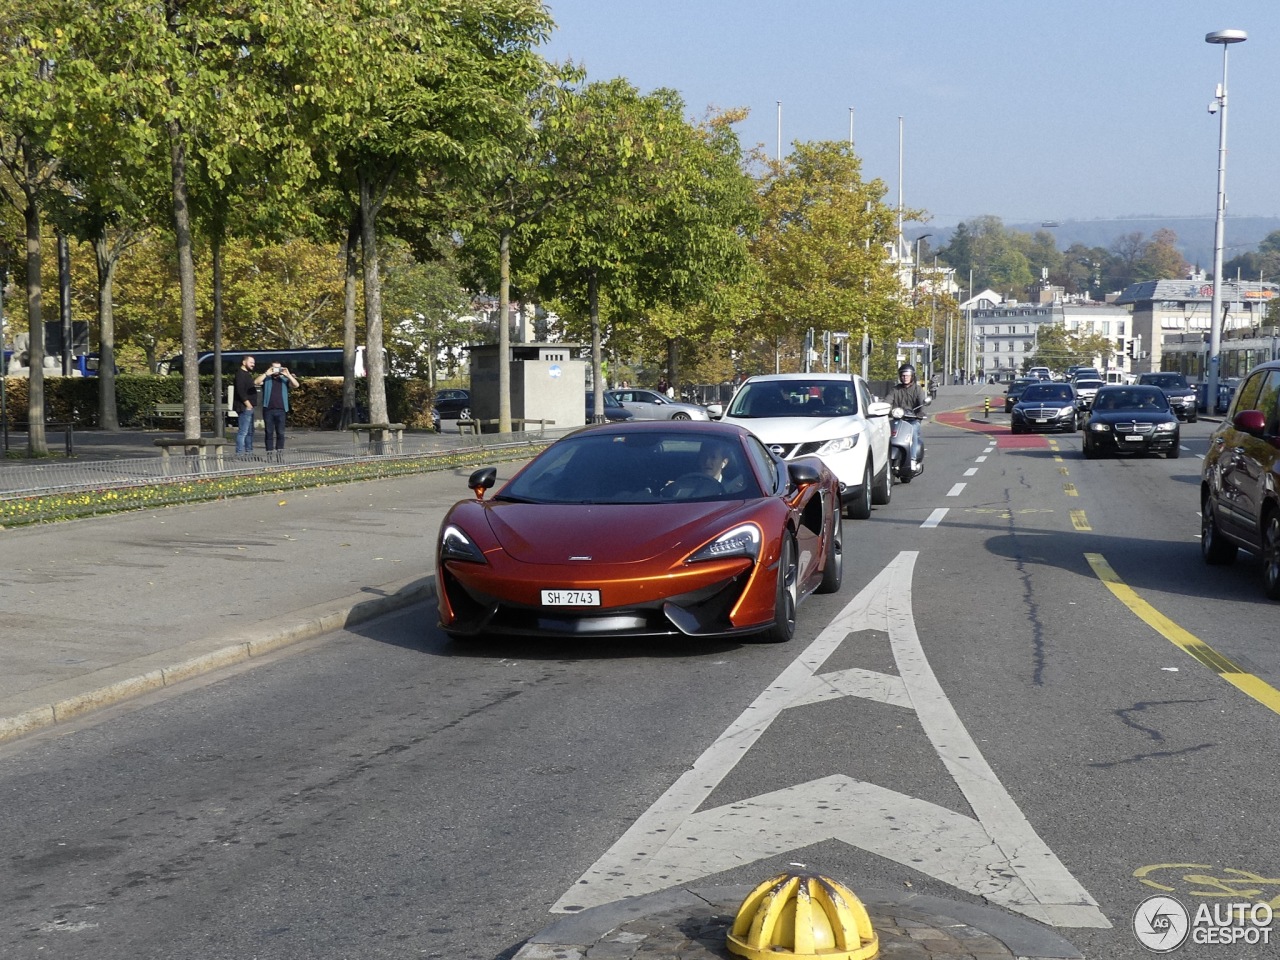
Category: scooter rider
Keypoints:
(906, 393)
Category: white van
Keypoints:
(1114, 375)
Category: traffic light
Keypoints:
(1129, 350)
(837, 352)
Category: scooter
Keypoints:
(906, 448)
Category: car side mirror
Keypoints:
(482, 480)
(878, 408)
(1252, 422)
(803, 473)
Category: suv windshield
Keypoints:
(1041, 392)
(1130, 398)
(795, 398)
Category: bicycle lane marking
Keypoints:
(1186, 641)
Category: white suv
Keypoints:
(828, 415)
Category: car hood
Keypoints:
(607, 533)
(799, 429)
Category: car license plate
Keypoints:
(1134, 438)
(1041, 420)
(571, 598)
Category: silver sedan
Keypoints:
(652, 405)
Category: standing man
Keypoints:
(275, 403)
(246, 403)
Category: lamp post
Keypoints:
(916, 264)
(1218, 105)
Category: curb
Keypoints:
(64, 701)
(572, 936)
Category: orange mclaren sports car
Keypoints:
(645, 528)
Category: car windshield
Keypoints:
(1039, 393)
(795, 398)
(1089, 384)
(1131, 398)
(609, 467)
(1165, 380)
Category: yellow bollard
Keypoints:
(803, 917)
(986, 406)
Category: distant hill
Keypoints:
(1195, 234)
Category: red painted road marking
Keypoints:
(1005, 440)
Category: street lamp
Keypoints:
(1218, 105)
(923, 236)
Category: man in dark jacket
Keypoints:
(245, 404)
(906, 393)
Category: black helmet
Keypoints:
(906, 368)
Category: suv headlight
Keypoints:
(1166, 427)
(1100, 427)
(839, 445)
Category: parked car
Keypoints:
(1128, 418)
(1045, 406)
(1014, 392)
(1085, 391)
(641, 529)
(1240, 480)
(831, 416)
(452, 404)
(1180, 394)
(613, 410)
(652, 405)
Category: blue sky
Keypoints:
(1029, 110)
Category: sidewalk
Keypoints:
(95, 611)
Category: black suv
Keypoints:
(1180, 394)
(1240, 483)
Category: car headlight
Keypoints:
(1100, 427)
(1166, 427)
(1067, 411)
(839, 445)
(741, 541)
(456, 545)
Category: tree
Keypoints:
(396, 88)
(821, 249)
(426, 310)
(654, 217)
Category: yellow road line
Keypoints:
(1079, 521)
(1189, 643)
(1070, 490)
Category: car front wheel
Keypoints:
(860, 509)
(1215, 550)
(1271, 554)
(784, 602)
(680, 416)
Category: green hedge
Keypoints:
(314, 404)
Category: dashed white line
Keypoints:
(955, 491)
(981, 459)
(971, 471)
(935, 518)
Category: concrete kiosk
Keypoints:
(548, 382)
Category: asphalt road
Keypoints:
(390, 793)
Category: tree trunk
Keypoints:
(36, 444)
(504, 331)
(186, 284)
(107, 258)
(597, 375)
(352, 266)
(374, 359)
(218, 399)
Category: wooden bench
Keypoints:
(476, 427)
(378, 436)
(200, 447)
(173, 411)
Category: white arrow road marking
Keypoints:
(998, 855)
